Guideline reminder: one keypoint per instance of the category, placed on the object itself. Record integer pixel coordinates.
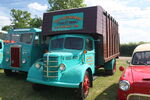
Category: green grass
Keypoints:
(17, 88)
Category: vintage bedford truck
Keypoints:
(81, 40)
(134, 83)
(21, 49)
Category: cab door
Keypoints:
(1, 50)
(90, 52)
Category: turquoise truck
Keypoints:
(81, 40)
(21, 49)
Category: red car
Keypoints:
(134, 84)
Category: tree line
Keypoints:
(127, 49)
(22, 19)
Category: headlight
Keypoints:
(37, 65)
(23, 61)
(7, 52)
(62, 67)
(7, 59)
(124, 85)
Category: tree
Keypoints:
(65, 4)
(7, 27)
(20, 19)
(36, 22)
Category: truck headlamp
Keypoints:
(7, 52)
(37, 65)
(23, 61)
(7, 59)
(124, 85)
(62, 67)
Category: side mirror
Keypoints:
(121, 68)
(128, 62)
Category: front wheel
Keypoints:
(84, 86)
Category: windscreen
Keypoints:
(67, 43)
(141, 58)
(57, 43)
(25, 37)
(74, 43)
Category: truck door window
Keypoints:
(89, 44)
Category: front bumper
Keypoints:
(54, 83)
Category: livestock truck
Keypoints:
(21, 49)
(81, 40)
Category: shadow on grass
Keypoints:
(57, 93)
(17, 88)
(101, 72)
(109, 94)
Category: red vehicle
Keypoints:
(134, 84)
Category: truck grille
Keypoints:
(138, 97)
(15, 56)
(50, 70)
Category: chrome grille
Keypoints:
(138, 97)
(50, 70)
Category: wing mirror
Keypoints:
(121, 68)
(128, 62)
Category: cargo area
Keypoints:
(94, 21)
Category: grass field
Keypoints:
(17, 88)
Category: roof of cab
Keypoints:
(142, 47)
(24, 30)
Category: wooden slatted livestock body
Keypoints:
(94, 21)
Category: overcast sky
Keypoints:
(133, 16)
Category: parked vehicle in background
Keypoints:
(81, 40)
(22, 48)
(1, 50)
(134, 84)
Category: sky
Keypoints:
(133, 16)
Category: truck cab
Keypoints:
(25, 47)
(65, 64)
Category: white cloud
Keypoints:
(4, 21)
(133, 21)
(4, 16)
(37, 6)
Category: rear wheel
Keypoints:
(84, 86)
(8, 72)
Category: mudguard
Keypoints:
(69, 78)
(75, 74)
(110, 65)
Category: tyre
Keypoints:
(84, 86)
(8, 72)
